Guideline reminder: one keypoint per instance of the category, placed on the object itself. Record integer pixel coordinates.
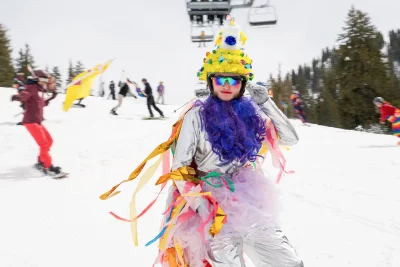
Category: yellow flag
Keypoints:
(82, 84)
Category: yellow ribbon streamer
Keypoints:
(144, 179)
(176, 211)
(157, 151)
(184, 173)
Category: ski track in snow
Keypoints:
(340, 208)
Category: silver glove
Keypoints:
(258, 92)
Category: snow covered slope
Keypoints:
(341, 207)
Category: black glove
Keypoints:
(15, 98)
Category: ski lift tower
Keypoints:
(204, 14)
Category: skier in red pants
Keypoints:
(32, 97)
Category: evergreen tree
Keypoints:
(79, 68)
(286, 93)
(71, 72)
(338, 88)
(393, 51)
(6, 66)
(328, 107)
(293, 78)
(301, 82)
(56, 73)
(25, 59)
(29, 56)
(394, 46)
(282, 90)
(315, 76)
(361, 70)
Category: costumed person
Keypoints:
(161, 92)
(123, 91)
(150, 99)
(33, 99)
(298, 106)
(389, 113)
(221, 204)
(112, 90)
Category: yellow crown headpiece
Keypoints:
(228, 56)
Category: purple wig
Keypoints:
(234, 128)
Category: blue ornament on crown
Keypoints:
(230, 40)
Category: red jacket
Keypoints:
(387, 110)
(34, 103)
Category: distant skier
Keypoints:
(284, 106)
(112, 90)
(123, 91)
(298, 106)
(161, 92)
(389, 113)
(150, 99)
(202, 37)
(34, 102)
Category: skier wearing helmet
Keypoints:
(298, 106)
(389, 113)
(33, 100)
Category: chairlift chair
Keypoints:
(208, 12)
(262, 16)
(240, 3)
(201, 90)
(199, 8)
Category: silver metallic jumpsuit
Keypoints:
(265, 245)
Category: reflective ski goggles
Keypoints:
(232, 80)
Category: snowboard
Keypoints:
(54, 176)
(77, 105)
(154, 118)
(61, 175)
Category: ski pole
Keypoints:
(183, 105)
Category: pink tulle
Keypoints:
(254, 203)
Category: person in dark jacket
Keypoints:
(124, 89)
(33, 100)
(150, 99)
(112, 90)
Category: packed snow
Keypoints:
(341, 207)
